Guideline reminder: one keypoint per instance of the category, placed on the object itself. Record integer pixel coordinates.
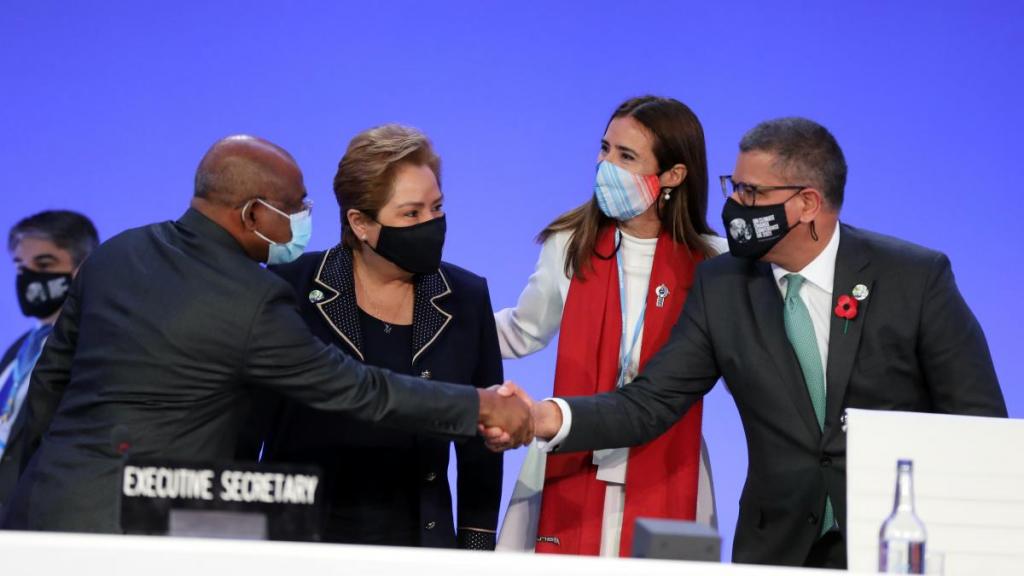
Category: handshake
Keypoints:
(509, 418)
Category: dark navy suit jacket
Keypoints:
(378, 477)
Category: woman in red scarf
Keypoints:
(612, 278)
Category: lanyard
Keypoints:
(8, 392)
(26, 358)
(626, 354)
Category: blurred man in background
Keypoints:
(47, 249)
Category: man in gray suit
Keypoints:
(168, 326)
(805, 318)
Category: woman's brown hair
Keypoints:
(366, 173)
(678, 139)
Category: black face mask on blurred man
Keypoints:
(41, 294)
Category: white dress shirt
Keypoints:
(816, 293)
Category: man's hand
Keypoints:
(506, 414)
(547, 421)
(545, 414)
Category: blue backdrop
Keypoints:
(108, 106)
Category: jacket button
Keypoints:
(812, 518)
(430, 525)
(826, 461)
(430, 477)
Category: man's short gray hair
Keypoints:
(803, 150)
(68, 230)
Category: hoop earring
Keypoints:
(814, 233)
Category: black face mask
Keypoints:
(753, 230)
(40, 294)
(415, 248)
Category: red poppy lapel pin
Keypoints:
(846, 306)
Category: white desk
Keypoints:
(45, 554)
(968, 487)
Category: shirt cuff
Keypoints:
(552, 444)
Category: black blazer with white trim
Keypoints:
(454, 340)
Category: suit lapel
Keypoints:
(337, 303)
(333, 280)
(18, 426)
(767, 305)
(429, 319)
(12, 352)
(852, 268)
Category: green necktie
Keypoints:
(800, 331)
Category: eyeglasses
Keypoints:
(747, 194)
(306, 204)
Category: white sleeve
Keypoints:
(537, 315)
(718, 244)
(552, 444)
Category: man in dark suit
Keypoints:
(47, 248)
(806, 318)
(166, 328)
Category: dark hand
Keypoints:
(505, 416)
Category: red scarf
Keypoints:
(661, 478)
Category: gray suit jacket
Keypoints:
(164, 332)
(914, 346)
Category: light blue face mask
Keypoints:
(302, 230)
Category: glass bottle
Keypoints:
(902, 537)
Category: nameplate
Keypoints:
(226, 499)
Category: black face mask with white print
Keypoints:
(41, 294)
(752, 231)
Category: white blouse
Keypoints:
(536, 317)
(530, 326)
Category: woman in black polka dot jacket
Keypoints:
(383, 296)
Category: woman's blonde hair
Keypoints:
(366, 173)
